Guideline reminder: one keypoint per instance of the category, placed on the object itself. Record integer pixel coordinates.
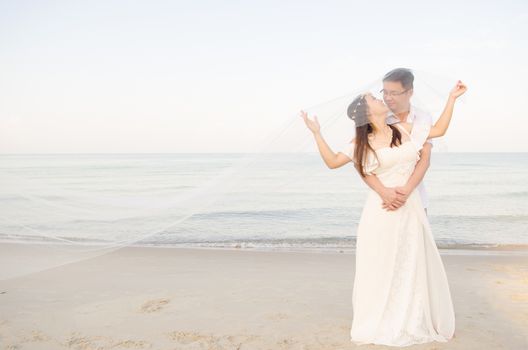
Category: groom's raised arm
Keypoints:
(423, 163)
(425, 160)
(421, 167)
(419, 172)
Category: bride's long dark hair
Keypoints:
(358, 111)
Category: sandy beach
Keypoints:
(206, 298)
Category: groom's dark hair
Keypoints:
(403, 75)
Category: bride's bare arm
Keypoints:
(441, 125)
(331, 159)
(336, 160)
(389, 196)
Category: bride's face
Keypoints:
(376, 105)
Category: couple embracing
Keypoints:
(401, 293)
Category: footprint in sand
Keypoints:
(286, 343)
(131, 344)
(523, 297)
(183, 337)
(212, 341)
(154, 305)
(36, 336)
(277, 316)
(79, 341)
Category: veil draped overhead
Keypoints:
(279, 195)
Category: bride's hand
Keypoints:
(313, 125)
(391, 199)
(459, 89)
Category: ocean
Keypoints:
(477, 200)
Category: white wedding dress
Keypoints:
(401, 294)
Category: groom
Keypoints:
(397, 92)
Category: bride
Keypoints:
(401, 294)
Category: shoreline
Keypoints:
(467, 249)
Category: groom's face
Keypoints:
(396, 97)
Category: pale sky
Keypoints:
(214, 76)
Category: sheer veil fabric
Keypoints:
(89, 209)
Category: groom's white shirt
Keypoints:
(420, 116)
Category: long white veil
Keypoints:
(276, 195)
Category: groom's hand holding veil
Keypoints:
(459, 89)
